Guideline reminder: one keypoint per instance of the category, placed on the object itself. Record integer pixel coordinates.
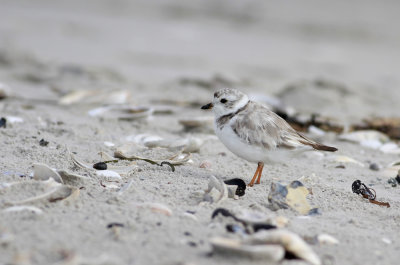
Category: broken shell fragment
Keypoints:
(155, 207)
(325, 239)
(122, 112)
(71, 178)
(108, 174)
(197, 123)
(216, 190)
(368, 138)
(229, 246)
(22, 208)
(291, 196)
(95, 97)
(48, 190)
(291, 242)
(186, 145)
(133, 151)
(240, 185)
(44, 172)
(345, 159)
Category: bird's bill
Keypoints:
(208, 106)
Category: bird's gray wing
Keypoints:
(257, 125)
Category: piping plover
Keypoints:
(253, 132)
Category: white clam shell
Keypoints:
(44, 172)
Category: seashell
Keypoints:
(345, 159)
(280, 221)
(325, 239)
(155, 207)
(291, 242)
(108, 174)
(316, 131)
(205, 164)
(44, 172)
(188, 145)
(368, 138)
(216, 190)
(14, 119)
(131, 152)
(72, 179)
(124, 112)
(190, 216)
(109, 144)
(52, 191)
(21, 208)
(95, 97)
(390, 148)
(125, 187)
(229, 247)
(291, 196)
(79, 163)
(109, 185)
(197, 123)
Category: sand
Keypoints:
(169, 50)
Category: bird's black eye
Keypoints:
(223, 100)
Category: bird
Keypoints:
(253, 132)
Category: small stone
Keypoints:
(3, 123)
(393, 182)
(374, 166)
(100, 166)
(43, 142)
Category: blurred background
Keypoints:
(48, 48)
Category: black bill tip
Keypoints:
(208, 106)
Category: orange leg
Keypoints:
(260, 172)
(256, 174)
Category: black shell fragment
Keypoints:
(241, 185)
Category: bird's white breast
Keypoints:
(251, 153)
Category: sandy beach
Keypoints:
(85, 80)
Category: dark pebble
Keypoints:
(192, 244)
(100, 166)
(3, 122)
(111, 225)
(43, 142)
(374, 166)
